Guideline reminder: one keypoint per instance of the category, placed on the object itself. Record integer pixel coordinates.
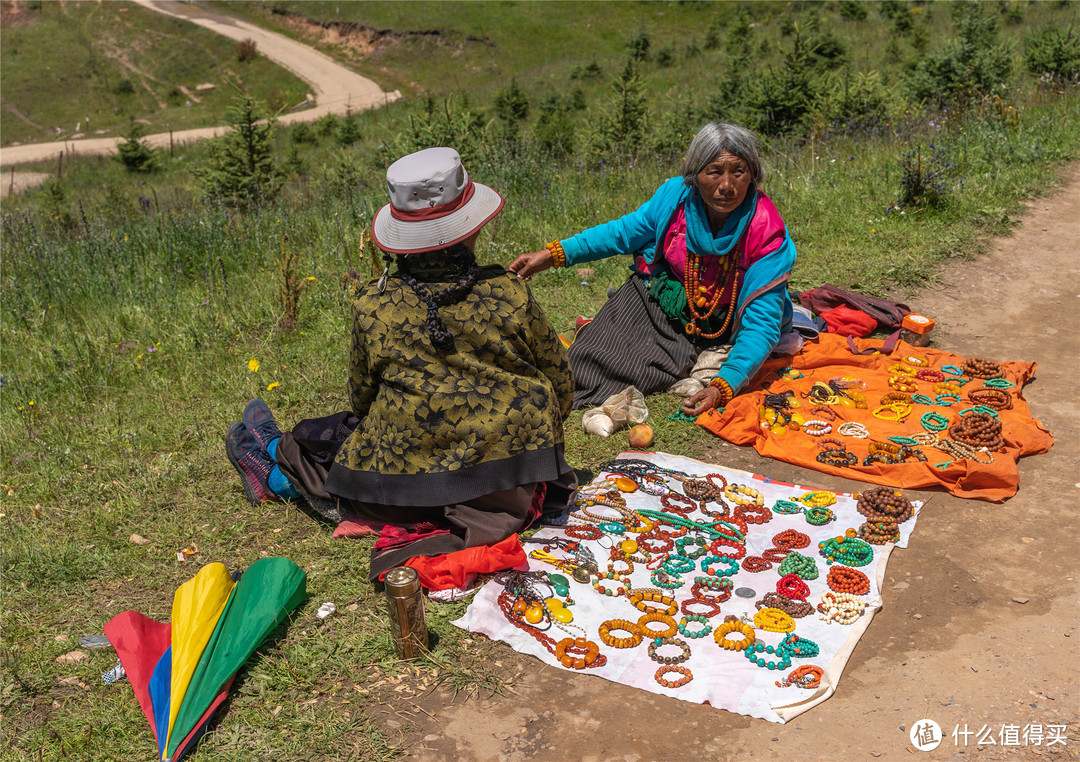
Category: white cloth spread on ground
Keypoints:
(721, 678)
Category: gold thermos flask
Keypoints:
(408, 627)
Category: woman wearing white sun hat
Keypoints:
(458, 385)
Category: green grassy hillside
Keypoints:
(91, 68)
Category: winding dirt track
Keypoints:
(336, 89)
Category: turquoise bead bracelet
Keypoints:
(753, 650)
(684, 626)
(934, 421)
(819, 516)
(947, 400)
(786, 507)
(682, 542)
(732, 564)
(952, 370)
(800, 565)
(803, 648)
(906, 441)
(921, 399)
(998, 383)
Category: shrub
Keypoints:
(621, 126)
(828, 50)
(133, 153)
(858, 102)
(303, 133)
(590, 70)
(326, 125)
(246, 50)
(666, 55)
(783, 97)
(692, 50)
(974, 64)
(555, 128)
(445, 123)
(1014, 13)
(511, 107)
(1053, 54)
(348, 131)
(638, 46)
(853, 10)
(240, 170)
(124, 87)
(925, 180)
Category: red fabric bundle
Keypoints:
(458, 569)
(847, 321)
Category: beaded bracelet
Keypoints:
(929, 374)
(831, 443)
(896, 411)
(701, 542)
(900, 369)
(838, 458)
(918, 362)
(848, 550)
(712, 607)
(708, 568)
(797, 563)
(786, 507)
(817, 428)
(921, 399)
(819, 516)
(947, 400)
(584, 532)
(806, 676)
(951, 370)
(558, 256)
(740, 494)
(934, 421)
(803, 648)
(610, 591)
(793, 608)
(660, 578)
(997, 399)
(754, 564)
(669, 641)
(791, 539)
(684, 626)
(998, 383)
(906, 441)
(687, 676)
(817, 497)
(734, 625)
(982, 409)
(903, 384)
(669, 629)
(727, 394)
(853, 429)
(880, 532)
(947, 387)
(792, 586)
(620, 624)
(640, 598)
(752, 653)
(842, 608)
(578, 653)
(843, 579)
(773, 620)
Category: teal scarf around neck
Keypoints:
(699, 236)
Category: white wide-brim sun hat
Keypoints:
(433, 203)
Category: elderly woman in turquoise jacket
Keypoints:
(708, 286)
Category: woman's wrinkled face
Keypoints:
(723, 184)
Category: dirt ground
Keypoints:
(951, 643)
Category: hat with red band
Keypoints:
(433, 203)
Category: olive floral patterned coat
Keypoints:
(442, 429)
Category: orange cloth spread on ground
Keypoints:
(830, 357)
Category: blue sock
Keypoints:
(277, 481)
(281, 486)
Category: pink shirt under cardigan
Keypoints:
(764, 235)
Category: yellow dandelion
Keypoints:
(310, 277)
(31, 403)
(272, 386)
(253, 365)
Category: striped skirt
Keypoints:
(630, 342)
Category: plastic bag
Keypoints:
(623, 409)
(626, 407)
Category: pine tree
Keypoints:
(622, 125)
(241, 170)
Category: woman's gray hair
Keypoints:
(716, 138)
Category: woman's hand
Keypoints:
(528, 265)
(708, 398)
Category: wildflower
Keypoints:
(253, 365)
(150, 349)
(873, 230)
(272, 386)
(310, 277)
(31, 403)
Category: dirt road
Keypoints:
(336, 89)
(951, 643)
